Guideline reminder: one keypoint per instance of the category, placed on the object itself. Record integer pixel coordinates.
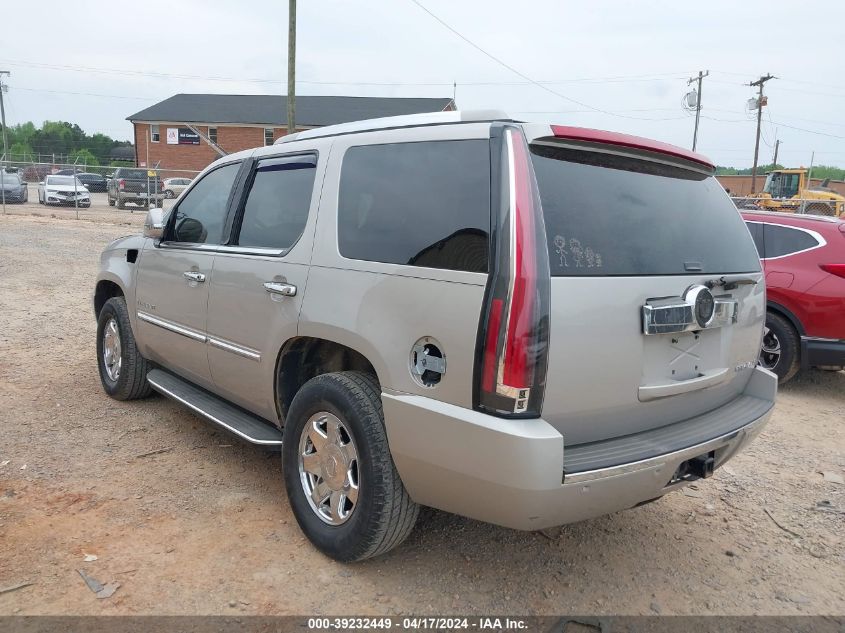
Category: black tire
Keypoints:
(120, 204)
(820, 208)
(131, 382)
(168, 194)
(111, 202)
(781, 335)
(384, 514)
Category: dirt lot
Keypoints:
(203, 527)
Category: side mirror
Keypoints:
(154, 224)
(41, 183)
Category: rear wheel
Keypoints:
(342, 484)
(780, 351)
(111, 201)
(120, 203)
(169, 194)
(820, 208)
(123, 371)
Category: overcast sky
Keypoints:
(87, 63)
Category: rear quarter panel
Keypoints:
(381, 310)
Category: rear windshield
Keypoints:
(62, 180)
(614, 215)
(134, 174)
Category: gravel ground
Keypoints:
(203, 526)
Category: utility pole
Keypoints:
(697, 104)
(759, 83)
(775, 157)
(5, 146)
(291, 66)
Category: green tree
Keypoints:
(83, 157)
(20, 151)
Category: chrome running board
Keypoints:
(245, 425)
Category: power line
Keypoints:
(157, 74)
(515, 71)
(83, 94)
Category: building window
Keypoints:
(212, 134)
(268, 136)
(154, 133)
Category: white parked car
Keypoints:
(174, 186)
(63, 190)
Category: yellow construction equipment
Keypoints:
(788, 190)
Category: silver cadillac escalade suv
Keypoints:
(525, 324)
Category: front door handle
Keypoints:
(286, 290)
(194, 276)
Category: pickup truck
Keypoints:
(136, 185)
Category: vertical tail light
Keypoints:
(834, 269)
(513, 337)
(121, 184)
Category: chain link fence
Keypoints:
(59, 185)
(803, 206)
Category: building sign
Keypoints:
(182, 136)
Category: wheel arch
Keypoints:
(787, 314)
(304, 357)
(106, 289)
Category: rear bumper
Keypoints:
(511, 472)
(817, 352)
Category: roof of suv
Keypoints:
(480, 116)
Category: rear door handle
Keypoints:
(194, 276)
(286, 290)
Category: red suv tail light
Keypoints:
(121, 184)
(513, 336)
(834, 269)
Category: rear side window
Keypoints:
(276, 209)
(756, 230)
(202, 212)
(420, 204)
(782, 240)
(615, 215)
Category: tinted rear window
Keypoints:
(276, 209)
(614, 215)
(134, 174)
(782, 240)
(421, 204)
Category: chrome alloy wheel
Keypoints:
(770, 350)
(111, 350)
(328, 468)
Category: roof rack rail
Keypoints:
(394, 122)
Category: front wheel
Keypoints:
(340, 478)
(780, 351)
(123, 371)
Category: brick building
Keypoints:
(163, 133)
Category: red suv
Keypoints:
(804, 261)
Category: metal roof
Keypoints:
(311, 111)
